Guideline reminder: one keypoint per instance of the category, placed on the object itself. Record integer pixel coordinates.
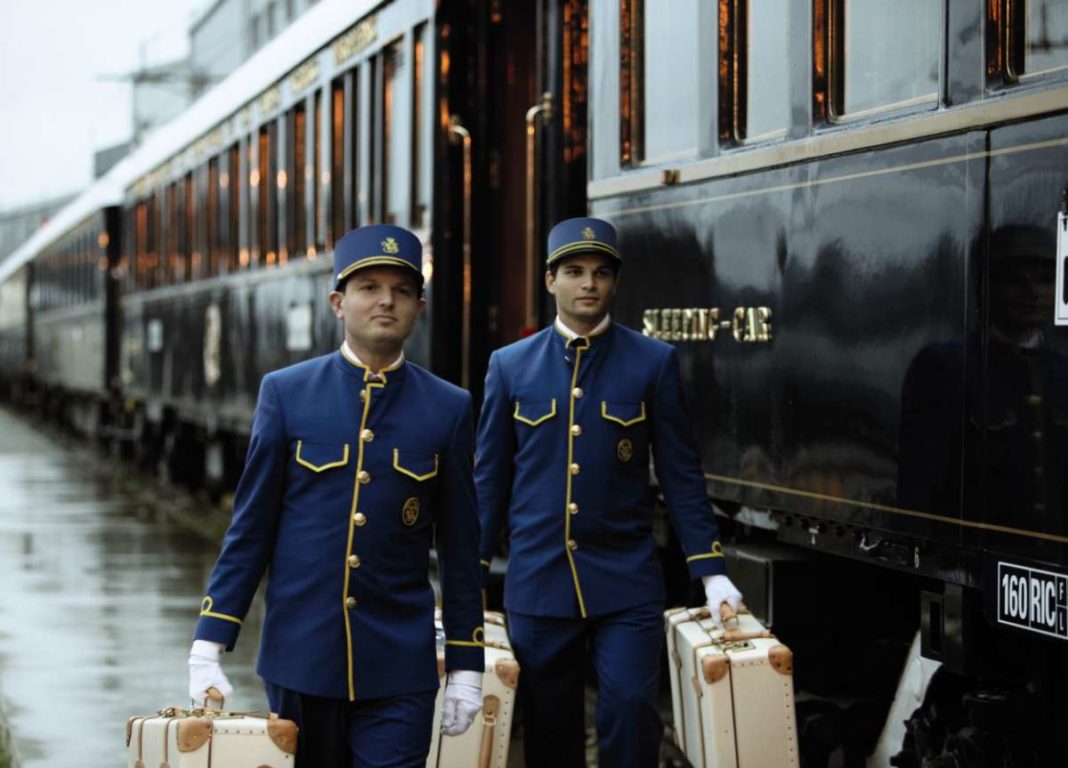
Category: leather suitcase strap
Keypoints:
(734, 636)
(491, 705)
(140, 762)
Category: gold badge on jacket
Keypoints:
(624, 450)
(410, 512)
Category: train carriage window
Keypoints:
(255, 201)
(130, 246)
(366, 127)
(1027, 37)
(885, 55)
(296, 208)
(70, 273)
(153, 243)
(1046, 42)
(190, 252)
(212, 221)
(420, 185)
(337, 161)
(178, 226)
(396, 134)
(63, 277)
(659, 78)
(171, 255)
(82, 293)
(140, 247)
(268, 194)
(752, 66)
(315, 176)
(235, 189)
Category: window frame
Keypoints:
(829, 70)
(733, 73)
(1006, 46)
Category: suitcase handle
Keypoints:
(726, 613)
(213, 695)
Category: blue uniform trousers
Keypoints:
(625, 647)
(393, 732)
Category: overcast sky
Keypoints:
(55, 109)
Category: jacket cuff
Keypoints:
(465, 657)
(706, 565)
(217, 631)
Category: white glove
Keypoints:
(463, 699)
(719, 590)
(205, 671)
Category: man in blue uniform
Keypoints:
(356, 458)
(569, 419)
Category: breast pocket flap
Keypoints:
(418, 466)
(624, 414)
(534, 413)
(319, 457)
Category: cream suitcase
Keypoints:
(209, 738)
(732, 692)
(485, 744)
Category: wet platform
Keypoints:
(100, 593)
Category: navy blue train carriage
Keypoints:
(845, 214)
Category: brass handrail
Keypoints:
(544, 109)
(459, 134)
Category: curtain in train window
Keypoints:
(1046, 42)
(667, 77)
(890, 55)
(766, 76)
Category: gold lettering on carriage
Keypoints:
(749, 325)
(355, 40)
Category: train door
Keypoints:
(1022, 407)
(513, 79)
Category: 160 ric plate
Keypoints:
(1033, 599)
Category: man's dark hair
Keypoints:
(612, 264)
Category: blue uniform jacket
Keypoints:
(563, 456)
(345, 482)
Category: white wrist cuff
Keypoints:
(209, 649)
(466, 677)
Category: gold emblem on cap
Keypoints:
(389, 245)
(624, 450)
(589, 234)
(410, 513)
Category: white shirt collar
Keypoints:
(346, 350)
(570, 334)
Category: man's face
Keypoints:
(379, 306)
(584, 287)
